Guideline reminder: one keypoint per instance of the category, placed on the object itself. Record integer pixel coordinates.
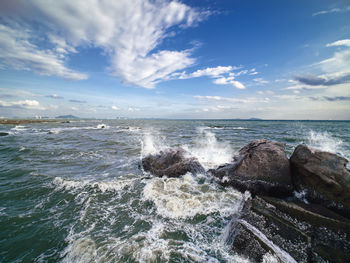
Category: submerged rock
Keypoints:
(291, 231)
(171, 163)
(4, 133)
(323, 176)
(261, 167)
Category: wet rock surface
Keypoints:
(322, 176)
(4, 133)
(171, 163)
(274, 222)
(292, 231)
(261, 167)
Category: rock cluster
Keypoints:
(315, 228)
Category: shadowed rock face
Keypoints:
(261, 167)
(171, 163)
(323, 175)
(292, 231)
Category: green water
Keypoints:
(74, 192)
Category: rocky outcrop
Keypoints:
(171, 163)
(261, 167)
(323, 176)
(291, 231)
(4, 133)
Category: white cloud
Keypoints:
(133, 109)
(344, 42)
(229, 81)
(222, 75)
(129, 32)
(18, 52)
(270, 92)
(211, 72)
(261, 81)
(334, 70)
(26, 104)
(115, 108)
(232, 100)
(333, 10)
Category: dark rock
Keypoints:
(4, 133)
(248, 245)
(324, 177)
(171, 163)
(261, 167)
(291, 231)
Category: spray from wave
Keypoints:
(209, 151)
(325, 141)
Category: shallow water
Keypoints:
(75, 192)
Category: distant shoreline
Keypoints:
(26, 121)
(63, 120)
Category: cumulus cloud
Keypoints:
(336, 69)
(24, 104)
(211, 72)
(222, 75)
(20, 53)
(129, 32)
(344, 42)
(115, 108)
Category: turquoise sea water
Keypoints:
(75, 192)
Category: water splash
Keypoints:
(325, 142)
(152, 142)
(209, 151)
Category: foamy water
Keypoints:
(75, 192)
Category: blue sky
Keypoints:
(175, 59)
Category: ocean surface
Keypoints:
(75, 192)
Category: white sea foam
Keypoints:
(269, 258)
(209, 151)
(102, 126)
(325, 141)
(185, 197)
(134, 128)
(81, 250)
(61, 183)
(19, 128)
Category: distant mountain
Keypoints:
(250, 119)
(67, 117)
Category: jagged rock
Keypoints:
(171, 163)
(323, 175)
(292, 231)
(4, 133)
(261, 167)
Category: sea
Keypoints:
(76, 192)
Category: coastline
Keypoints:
(26, 121)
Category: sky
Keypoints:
(208, 59)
